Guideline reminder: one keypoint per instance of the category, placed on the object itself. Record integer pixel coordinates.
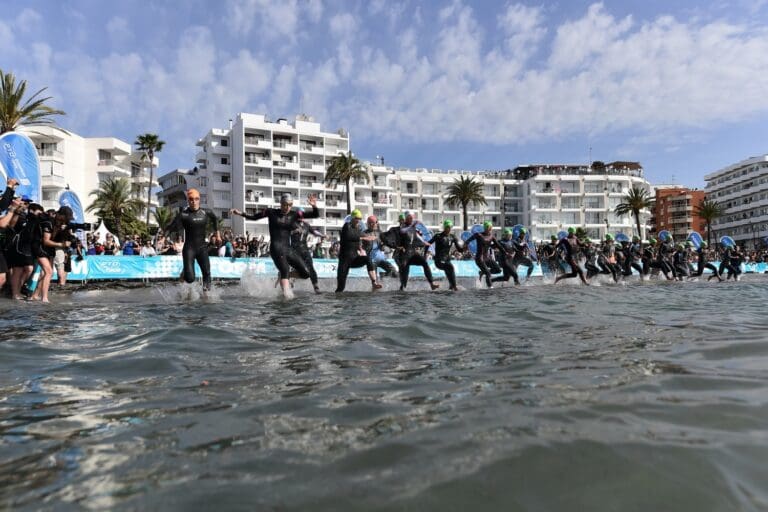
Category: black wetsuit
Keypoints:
(483, 254)
(548, 258)
(299, 242)
(376, 255)
(195, 225)
(703, 264)
(570, 249)
(608, 253)
(280, 226)
(664, 257)
(409, 255)
(521, 256)
(590, 253)
(509, 259)
(443, 244)
(632, 255)
(729, 262)
(349, 255)
(680, 263)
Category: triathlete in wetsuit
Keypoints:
(194, 220)
(606, 259)
(549, 257)
(590, 253)
(281, 221)
(373, 247)
(508, 257)
(443, 243)
(680, 261)
(522, 253)
(729, 261)
(351, 253)
(409, 236)
(485, 243)
(632, 256)
(702, 263)
(570, 247)
(299, 242)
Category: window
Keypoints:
(225, 214)
(225, 178)
(224, 160)
(203, 181)
(225, 142)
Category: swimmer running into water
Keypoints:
(194, 221)
(281, 222)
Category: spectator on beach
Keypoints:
(128, 247)
(226, 250)
(147, 250)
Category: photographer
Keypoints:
(5, 222)
(53, 232)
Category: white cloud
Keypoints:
(28, 20)
(273, 20)
(314, 9)
(119, 31)
(598, 74)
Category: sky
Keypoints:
(679, 86)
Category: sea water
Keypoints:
(641, 396)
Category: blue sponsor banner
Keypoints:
(170, 267)
(18, 159)
(69, 198)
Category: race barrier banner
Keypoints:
(170, 267)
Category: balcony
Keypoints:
(336, 205)
(285, 165)
(53, 181)
(50, 154)
(201, 156)
(224, 187)
(314, 149)
(221, 150)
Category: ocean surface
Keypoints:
(631, 397)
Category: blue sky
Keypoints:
(455, 84)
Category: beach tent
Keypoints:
(101, 234)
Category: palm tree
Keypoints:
(150, 144)
(115, 205)
(709, 210)
(14, 111)
(462, 191)
(163, 216)
(344, 169)
(637, 199)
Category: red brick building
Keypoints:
(675, 211)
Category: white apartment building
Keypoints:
(249, 165)
(71, 162)
(742, 191)
(553, 197)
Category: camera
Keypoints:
(85, 226)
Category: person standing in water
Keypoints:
(352, 255)
(483, 255)
(522, 254)
(701, 252)
(409, 236)
(508, 258)
(194, 221)
(443, 243)
(570, 247)
(373, 247)
(281, 221)
(299, 242)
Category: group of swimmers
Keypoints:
(362, 245)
